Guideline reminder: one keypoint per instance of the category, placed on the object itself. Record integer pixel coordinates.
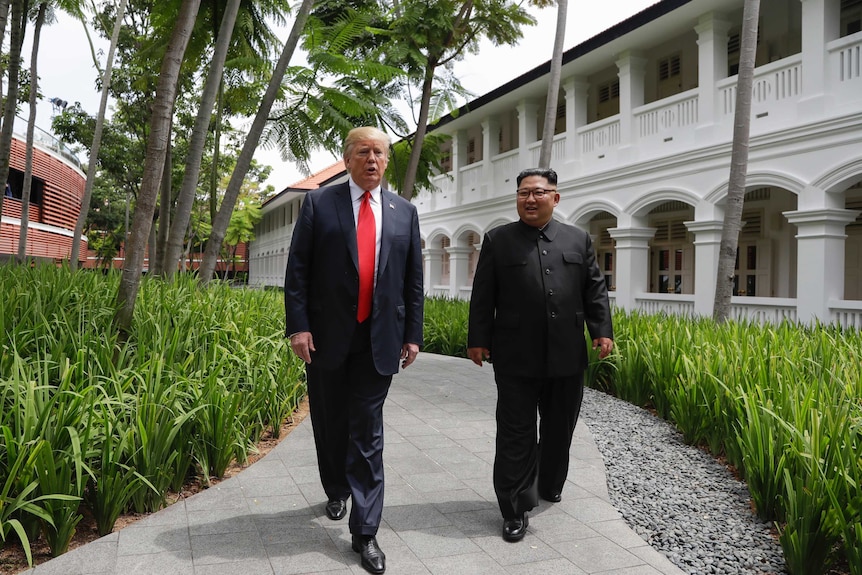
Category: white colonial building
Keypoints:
(642, 149)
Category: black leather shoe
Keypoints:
(372, 557)
(552, 496)
(515, 529)
(336, 509)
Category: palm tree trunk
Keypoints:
(738, 163)
(212, 86)
(421, 129)
(243, 162)
(154, 163)
(18, 13)
(157, 267)
(97, 137)
(553, 86)
(4, 17)
(31, 126)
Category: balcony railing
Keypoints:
(779, 81)
(847, 314)
(47, 141)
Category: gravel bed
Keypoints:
(678, 498)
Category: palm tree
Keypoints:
(243, 162)
(186, 197)
(4, 17)
(434, 34)
(154, 162)
(738, 163)
(18, 14)
(31, 126)
(553, 85)
(97, 136)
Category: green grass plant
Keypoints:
(114, 426)
(781, 404)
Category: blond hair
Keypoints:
(366, 133)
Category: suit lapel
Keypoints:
(388, 213)
(344, 210)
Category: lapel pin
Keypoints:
(391, 206)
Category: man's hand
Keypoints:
(477, 354)
(409, 351)
(302, 345)
(605, 345)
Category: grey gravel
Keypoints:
(678, 498)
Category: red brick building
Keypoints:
(57, 188)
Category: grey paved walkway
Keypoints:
(440, 514)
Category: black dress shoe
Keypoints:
(372, 557)
(336, 509)
(515, 529)
(552, 496)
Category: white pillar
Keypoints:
(632, 69)
(632, 247)
(459, 259)
(711, 66)
(820, 25)
(576, 90)
(707, 239)
(820, 239)
(433, 261)
(528, 124)
(490, 148)
(459, 159)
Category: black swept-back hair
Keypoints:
(546, 173)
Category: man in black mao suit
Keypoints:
(536, 285)
(350, 359)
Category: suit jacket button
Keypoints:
(553, 314)
(550, 292)
(547, 271)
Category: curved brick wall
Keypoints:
(52, 221)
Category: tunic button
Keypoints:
(553, 314)
(547, 271)
(550, 292)
(544, 252)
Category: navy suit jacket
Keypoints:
(321, 285)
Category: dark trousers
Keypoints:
(346, 403)
(528, 462)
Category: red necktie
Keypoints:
(366, 241)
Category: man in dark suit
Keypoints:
(536, 285)
(354, 305)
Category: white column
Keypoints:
(820, 25)
(632, 69)
(528, 124)
(707, 239)
(576, 90)
(433, 260)
(711, 66)
(632, 247)
(459, 260)
(490, 148)
(820, 239)
(459, 158)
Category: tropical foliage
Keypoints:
(91, 423)
(781, 404)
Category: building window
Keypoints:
(609, 91)
(669, 68)
(669, 76)
(851, 17)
